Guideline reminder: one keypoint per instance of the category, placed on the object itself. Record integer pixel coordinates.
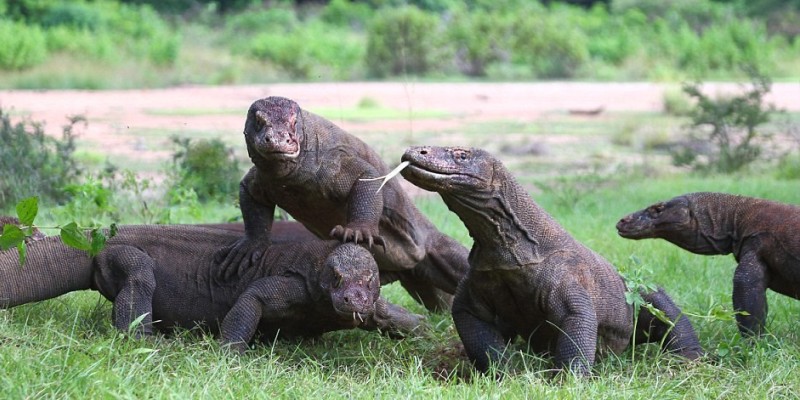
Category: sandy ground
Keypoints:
(113, 113)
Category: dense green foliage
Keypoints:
(207, 167)
(195, 41)
(33, 163)
(726, 131)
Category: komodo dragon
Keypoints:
(763, 235)
(282, 231)
(312, 169)
(167, 273)
(529, 277)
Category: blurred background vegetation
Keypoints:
(104, 44)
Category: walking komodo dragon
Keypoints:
(316, 172)
(529, 277)
(168, 274)
(763, 235)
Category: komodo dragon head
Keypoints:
(657, 221)
(37, 234)
(270, 130)
(350, 276)
(449, 169)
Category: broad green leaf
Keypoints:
(72, 236)
(22, 253)
(112, 230)
(98, 242)
(27, 210)
(12, 236)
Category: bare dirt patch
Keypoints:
(136, 124)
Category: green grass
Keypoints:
(66, 347)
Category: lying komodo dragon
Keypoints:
(312, 169)
(529, 277)
(282, 231)
(764, 237)
(167, 273)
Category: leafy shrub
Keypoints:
(725, 128)
(552, 47)
(401, 41)
(697, 14)
(23, 46)
(310, 51)
(480, 38)
(82, 43)
(346, 13)
(34, 163)
(73, 14)
(272, 19)
(206, 166)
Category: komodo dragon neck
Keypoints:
(721, 223)
(508, 229)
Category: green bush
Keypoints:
(480, 38)
(726, 129)
(207, 167)
(402, 41)
(551, 47)
(310, 51)
(33, 163)
(23, 46)
(346, 13)
(272, 19)
(73, 14)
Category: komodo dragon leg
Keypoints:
(680, 338)
(750, 294)
(125, 276)
(273, 296)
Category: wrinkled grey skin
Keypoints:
(324, 178)
(167, 274)
(528, 277)
(762, 235)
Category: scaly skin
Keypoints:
(311, 168)
(282, 231)
(168, 274)
(761, 234)
(528, 276)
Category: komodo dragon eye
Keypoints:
(656, 209)
(460, 155)
(339, 281)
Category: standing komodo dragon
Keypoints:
(529, 277)
(764, 237)
(314, 170)
(167, 273)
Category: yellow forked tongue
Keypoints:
(388, 176)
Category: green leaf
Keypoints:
(22, 252)
(98, 242)
(12, 236)
(72, 236)
(27, 210)
(112, 231)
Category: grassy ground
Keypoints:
(66, 347)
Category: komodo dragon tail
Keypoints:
(51, 269)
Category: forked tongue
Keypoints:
(388, 176)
